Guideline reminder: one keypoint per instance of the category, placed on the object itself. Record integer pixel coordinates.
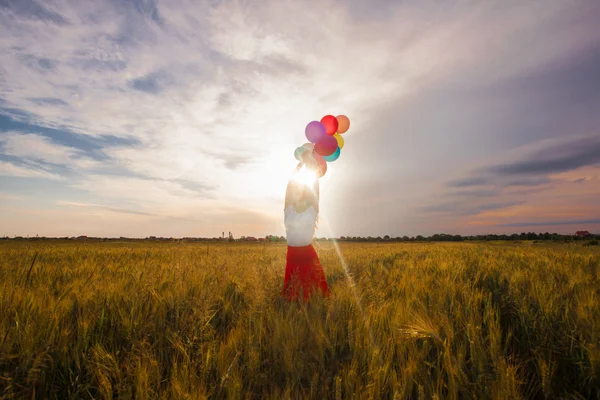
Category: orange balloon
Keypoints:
(343, 123)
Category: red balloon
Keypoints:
(326, 146)
(331, 124)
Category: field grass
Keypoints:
(193, 321)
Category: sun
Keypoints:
(304, 176)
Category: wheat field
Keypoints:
(197, 320)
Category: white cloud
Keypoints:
(37, 148)
(10, 169)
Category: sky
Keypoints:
(180, 118)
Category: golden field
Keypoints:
(197, 320)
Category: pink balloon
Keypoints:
(314, 130)
(326, 146)
(319, 166)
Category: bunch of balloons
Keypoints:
(325, 140)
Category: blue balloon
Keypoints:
(334, 156)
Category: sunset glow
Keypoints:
(181, 118)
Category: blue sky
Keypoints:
(180, 118)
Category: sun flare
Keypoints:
(304, 176)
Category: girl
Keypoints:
(303, 272)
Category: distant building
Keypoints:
(251, 239)
(582, 234)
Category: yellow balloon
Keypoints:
(340, 140)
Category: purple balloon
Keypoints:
(314, 131)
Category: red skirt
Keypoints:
(303, 274)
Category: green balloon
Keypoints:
(298, 153)
(334, 156)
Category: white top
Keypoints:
(300, 227)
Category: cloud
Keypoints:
(187, 102)
(560, 156)
(466, 182)
(554, 223)
(47, 101)
(532, 165)
(461, 208)
(120, 210)
(150, 196)
(152, 83)
(475, 193)
(529, 182)
(231, 161)
(497, 181)
(31, 9)
(107, 208)
(34, 148)
(11, 169)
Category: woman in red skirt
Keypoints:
(303, 272)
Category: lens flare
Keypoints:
(373, 344)
(304, 176)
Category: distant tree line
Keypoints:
(268, 238)
(444, 237)
(438, 237)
